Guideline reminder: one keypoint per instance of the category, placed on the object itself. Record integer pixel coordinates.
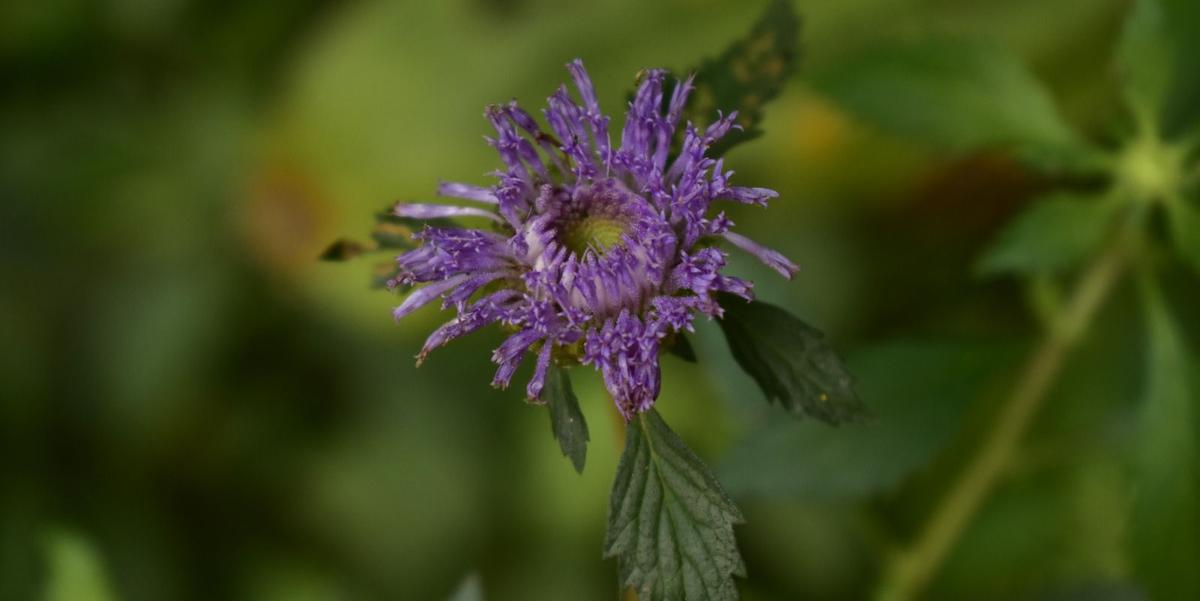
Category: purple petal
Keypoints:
(584, 84)
(753, 196)
(433, 211)
(771, 258)
(533, 390)
(420, 297)
(467, 192)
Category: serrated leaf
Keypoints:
(1165, 523)
(918, 393)
(566, 419)
(791, 361)
(958, 95)
(1055, 234)
(748, 74)
(670, 525)
(470, 589)
(1185, 231)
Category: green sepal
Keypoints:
(670, 524)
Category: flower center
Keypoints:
(598, 216)
(596, 232)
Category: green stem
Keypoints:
(910, 569)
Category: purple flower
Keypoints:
(595, 254)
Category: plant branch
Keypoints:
(910, 569)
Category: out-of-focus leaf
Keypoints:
(670, 525)
(1165, 524)
(791, 361)
(1102, 591)
(1048, 526)
(75, 572)
(395, 232)
(747, 75)
(342, 249)
(1145, 61)
(918, 393)
(1185, 230)
(1181, 113)
(1156, 63)
(384, 274)
(470, 589)
(391, 232)
(1056, 233)
(566, 420)
(959, 95)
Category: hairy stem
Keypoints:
(910, 569)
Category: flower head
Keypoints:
(596, 253)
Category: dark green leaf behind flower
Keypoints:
(748, 74)
(566, 420)
(791, 361)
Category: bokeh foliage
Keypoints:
(192, 407)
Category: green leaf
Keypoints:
(670, 525)
(1156, 63)
(1055, 234)
(470, 589)
(1145, 59)
(390, 233)
(1100, 591)
(570, 428)
(790, 361)
(1165, 521)
(1185, 231)
(918, 392)
(958, 95)
(394, 232)
(681, 347)
(1182, 110)
(748, 74)
(75, 572)
(342, 249)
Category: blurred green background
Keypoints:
(193, 407)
